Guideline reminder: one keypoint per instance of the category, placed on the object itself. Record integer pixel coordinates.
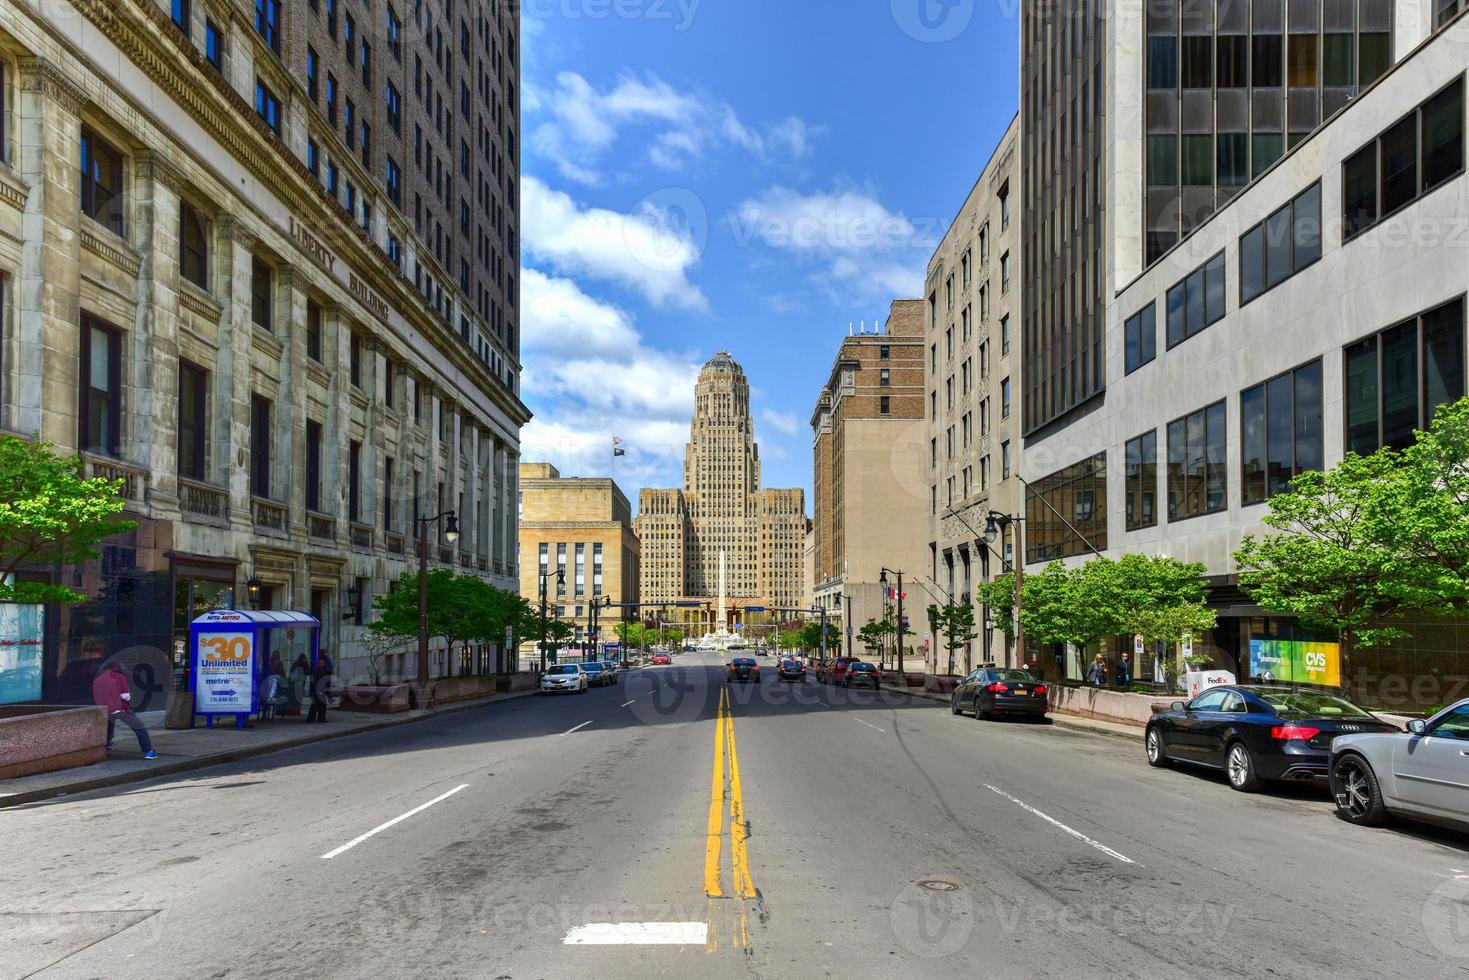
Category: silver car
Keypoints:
(1422, 773)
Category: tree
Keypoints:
(675, 637)
(811, 636)
(999, 595)
(1056, 610)
(790, 639)
(955, 623)
(630, 633)
(50, 515)
(1423, 515)
(1172, 625)
(874, 634)
(457, 607)
(1338, 564)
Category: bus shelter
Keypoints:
(231, 652)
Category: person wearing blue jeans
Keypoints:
(111, 690)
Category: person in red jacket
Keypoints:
(111, 690)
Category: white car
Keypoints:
(564, 678)
(1422, 773)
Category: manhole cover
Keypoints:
(939, 885)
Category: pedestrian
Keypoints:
(299, 679)
(321, 687)
(1097, 675)
(273, 697)
(1122, 670)
(111, 690)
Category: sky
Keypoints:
(747, 175)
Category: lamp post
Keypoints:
(253, 586)
(993, 524)
(560, 581)
(451, 534)
(882, 578)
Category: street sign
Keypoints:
(750, 609)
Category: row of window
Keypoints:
(1413, 156)
(1267, 60)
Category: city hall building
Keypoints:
(257, 260)
(1281, 270)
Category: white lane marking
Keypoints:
(873, 727)
(396, 820)
(1058, 824)
(638, 934)
(626, 703)
(577, 728)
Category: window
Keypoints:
(1198, 61)
(349, 37)
(259, 446)
(331, 98)
(349, 124)
(1005, 398)
(1005, 206)
(1268, 62)
(1196, 302)
(1162, 62)
(1005, 273)
(313, 158)
(1394, 169)
(1281, 245)
(1280, 431)
(1005, 460)
(214, 44)
(193, 245)
(313, 330)
(395, 108)
(883, 353)
(354, 481)
(1142, 481)
(192, 402)
(102, 198)
(394, 183)
(1141, 337)
(1078, 491)
(260, 298)
(100, 418)
(1005, 334)
(355, 359)
(883, 378)
(182, 14)
(312, 65)
(1391, 390)
(1196, 474)
(268, 22)
(395, 33)
(313, 465)
(1232, 69)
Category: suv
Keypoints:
(832, 671)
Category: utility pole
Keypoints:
(882, 578)
(451, 534)
(560, 581)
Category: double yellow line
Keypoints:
(722, 790)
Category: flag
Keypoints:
(617, 449)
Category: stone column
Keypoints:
(47, 298)
(234, 385)
(336, 354)
(290, 327)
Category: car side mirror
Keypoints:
(1417, 726)
(1177, 706)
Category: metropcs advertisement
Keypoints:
(226, 679)
(1296, 662)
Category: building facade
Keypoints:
(1318, 310)
(229, 306)
(870, 510)
(971, 448)
(576, 533)
(722, 511)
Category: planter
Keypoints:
(1107, 704)
(380, 699)
(941, 683)
(44, 738)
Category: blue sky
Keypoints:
(745, 174)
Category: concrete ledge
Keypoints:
(1106, 704)
(45, 738)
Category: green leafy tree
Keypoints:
(1422, 516)
(955, 623)
(675, 637)
(811, 636)
(630, 633)
(1056, 610)
(1172, 625)
(874, 635)
(790, 639)
(461, 609)
(999, 595)
(50, 515)
(1337, 564)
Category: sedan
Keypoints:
(1422, 773)
(993, 691)
(597, 673)
(791, 670)
(859, 674)
(1256, 733)
(831, 671)
(743, 669)
(564, 679)
(661, 660)
(614, 671)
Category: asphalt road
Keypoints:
(677, 826)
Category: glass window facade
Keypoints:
(1281, 245)
(1413, 156)
(1066, 512)
(1197, 482)
(1142, 481)
(1397, 378)
(1141, 337)
(1280, 431)
(1196, 301)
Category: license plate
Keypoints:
(1021, 690)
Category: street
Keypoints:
(673, 825)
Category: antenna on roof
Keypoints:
(850, 325)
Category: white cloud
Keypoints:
(557, 318)
(645, 251)
(579, 123)
(780, 421)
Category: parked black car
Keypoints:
(859, 674)
(792, 669)
(1256, 733)
(999, 691)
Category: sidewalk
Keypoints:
(181, 750)
(1132, 733)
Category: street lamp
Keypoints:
(994, 523)
(253, 587)
(451, 535)
(882, 578)
(560, 585)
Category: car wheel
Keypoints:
(1357, 793)
(980, 713)
(954, 705)
(1157, 755)
(1239, 766)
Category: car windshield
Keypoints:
(561, 669)
(1019, 676)
(1309, 704)
(742, 662)
(592, 667)
(863, 667)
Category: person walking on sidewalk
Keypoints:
(111, 690)
(1122, 671)
(321, 687)
(1097, 674)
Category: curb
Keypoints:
(248, 752)
(1073, 722)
